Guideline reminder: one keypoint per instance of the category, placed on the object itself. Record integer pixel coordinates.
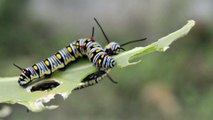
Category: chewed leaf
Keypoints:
(11, 92)
(161, 45)
(63, 82)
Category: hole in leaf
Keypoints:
(56, 101)
(45, 85)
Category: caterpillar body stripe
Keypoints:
(82, 47)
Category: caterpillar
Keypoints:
(112, 48)
(92, 79)
(82, 47)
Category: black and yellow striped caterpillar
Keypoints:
(82, 47)
(92, 79)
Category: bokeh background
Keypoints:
(175, 85)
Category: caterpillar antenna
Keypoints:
(93, 29)
(102, 30)
(133, 41)
(18, 67)
(113, 81)
(122, 49)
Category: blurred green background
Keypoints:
(173, 85)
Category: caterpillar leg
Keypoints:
(92, 36)
(110, 78)
(107, 75)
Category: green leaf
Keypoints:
(12, 93)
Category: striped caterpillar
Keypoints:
(92, 79)
(82, 47)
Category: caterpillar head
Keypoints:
(25, 76)
(112, 48)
